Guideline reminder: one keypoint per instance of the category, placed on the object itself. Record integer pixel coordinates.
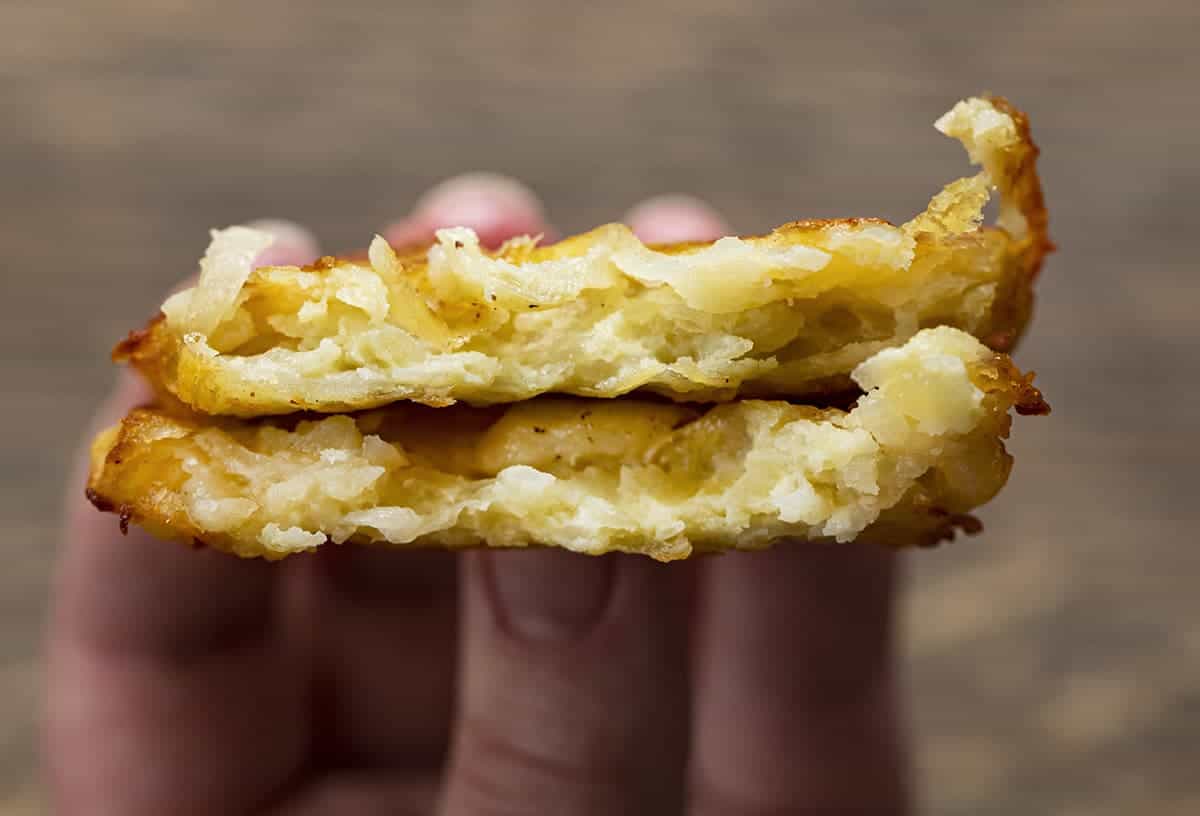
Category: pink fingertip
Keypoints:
(408, 232)
(495, 206)
(294, 245)
(675, 218)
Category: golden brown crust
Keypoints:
(1023, 187)
(1027, 398)
(151, 350)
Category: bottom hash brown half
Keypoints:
(920, 449)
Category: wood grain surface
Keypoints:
(1053, 663)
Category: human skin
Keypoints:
(534, 682)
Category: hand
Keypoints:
(539, 682)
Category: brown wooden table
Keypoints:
(1054, 663)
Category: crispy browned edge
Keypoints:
(1014, 311)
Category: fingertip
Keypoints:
(675, 218)
(574, 683)
(548, 595)
(294, 244)
(408, 232)
(489, 203)
(129, 391)
(496, 207)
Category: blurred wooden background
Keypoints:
(1054, 663)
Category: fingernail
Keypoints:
(670, 218)
(294, 245)
(549, 595)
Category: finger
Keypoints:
(675, 218)
(495, 206)
(386, 651)
(389, 619)
(795, 697)
(360, 793)
(293, 243)
(574, 692)
(165, 657)
(795, 701)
